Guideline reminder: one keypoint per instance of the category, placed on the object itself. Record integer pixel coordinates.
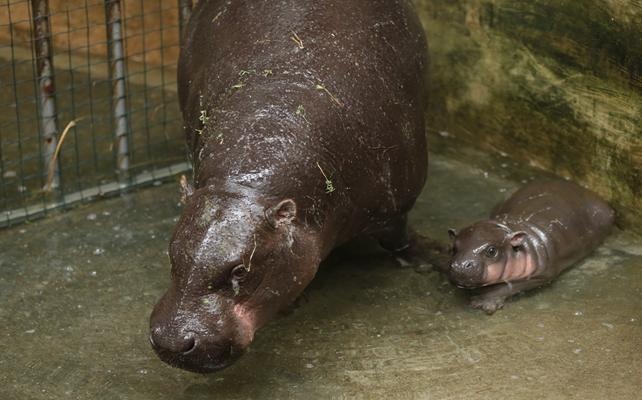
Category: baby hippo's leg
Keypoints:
(491, 298)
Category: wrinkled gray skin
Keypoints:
(305, 123)
(541, 230)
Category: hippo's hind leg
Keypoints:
(409, 248)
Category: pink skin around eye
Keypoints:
(246, 321)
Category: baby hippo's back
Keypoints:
(571, 219)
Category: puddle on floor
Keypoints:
(76, 291)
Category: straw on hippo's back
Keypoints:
(542, 229)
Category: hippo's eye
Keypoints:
(491, 251)
(239, 273)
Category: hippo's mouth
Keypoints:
(200, 359)
(466, 286)
(207, 368)
(203, 363)
(463, 284)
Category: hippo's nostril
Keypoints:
(189, 345)
(162, 342)
(462, 267)
(154, 337)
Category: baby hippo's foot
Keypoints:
(489, 304)
(491, 298)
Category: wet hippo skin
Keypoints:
(541, 230)
(304, 120)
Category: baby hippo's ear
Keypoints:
(186, 189)
(517, 238)
(452, 233)
(282, 213)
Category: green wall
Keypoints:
(555, 84)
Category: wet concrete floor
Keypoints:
(76, 290)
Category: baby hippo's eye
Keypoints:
(491, 251)
(239, 273)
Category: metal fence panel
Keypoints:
(88, 101)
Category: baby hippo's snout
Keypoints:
(466, 273)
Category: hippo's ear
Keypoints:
(517, 238)
(452, 233)
(186, 189)
(282, 213)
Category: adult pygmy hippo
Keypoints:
(305, 123)
(542, 229)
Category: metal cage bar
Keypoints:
(114, 93)
(46, 86)
(117, 72)
(185, 11)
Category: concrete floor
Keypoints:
(76, 291)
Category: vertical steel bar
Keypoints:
(3, 171)
(184, 10)
(119, 90)
(90, 87)
(146, 85)
(19, 114)
(163, 84)
(72, 98)
(47, 90)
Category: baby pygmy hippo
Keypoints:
(542, 229)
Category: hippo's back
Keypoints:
(307, 90)
(574, 219)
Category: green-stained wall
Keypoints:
(553, 83)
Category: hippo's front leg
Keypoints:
(492, 298)
(408, 247)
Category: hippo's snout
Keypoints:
(197, 336)
(175, 345)
(466, 273)
(193, 351)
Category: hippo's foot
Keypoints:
(298, 302)
(436, 253)
(410, 250)
(411, 258)
(488, 304)
(491, 298)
